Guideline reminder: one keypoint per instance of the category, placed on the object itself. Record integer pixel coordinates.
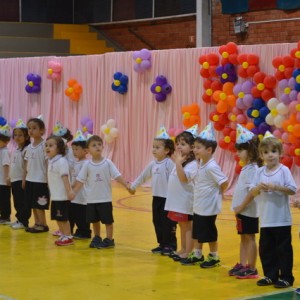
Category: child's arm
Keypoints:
(224, 186)
(77, 186)
(125, 183)
(179, 159)
(238, 209)
(278, 188)
(70, 192)
(6, 174)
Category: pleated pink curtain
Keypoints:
(138, 115)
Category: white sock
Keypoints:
(214, 254)
(198, 252)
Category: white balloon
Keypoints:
(111, 123)
(103, 128)
(272, 103)
(269, 119)
(282, 109)
(114, 132)
(278, 120)
(108, 138)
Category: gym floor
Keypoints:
(33, 268)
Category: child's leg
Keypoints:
(109, 231)
(182, 238)
(187, 232)
(96, 228)
(213, 247)
(156, 219)
(41, 216)
(251, 250)
(243, 250)
(35, 216)
(5, 206)
(64, 227)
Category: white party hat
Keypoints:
(208, 133)
(243, 135)
(193, 130)
(20, 124)
(5, 130)
(79, 137)
(162, 134)
(268, 134)
(59, 129)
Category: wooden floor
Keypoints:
(33, 268)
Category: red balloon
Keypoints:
(270, 81)
(213, 59)
(287, 161)
(252, 70)
(207, 83)
(218, 126)
(297, 161)
(223, 145)
(238, 169)
(223, 119)
(259, 77)
(226, 131)
(288, 61)
(231, 47)
(277, 61)
(242, 72)
(242, 58)
(216, 85)
(267, 94)
(253, 59)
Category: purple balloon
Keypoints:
(283, 83)
(292, 82)
(229, 69)
(285, 99)
(263, 127)
(153, 86)
(145, 64)
(248, 100)
(136, 54)
(293, 95)
(166, 89)
(160, 97)
(28, 89)
(255, 130)
(84, 120)
(161, 80)
(247, 86)
(240, 104)
(137, 68)
(145, 54)
(219, 70)
(237, 88)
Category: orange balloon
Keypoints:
(222, 107)
(187, 123)
(216, 95)
(228, 88)
(296, 131)
(292, 139)
(249, 125)
(71, 82)
(184, 109)
(194, 109)
(231, 100)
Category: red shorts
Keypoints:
(178, 217)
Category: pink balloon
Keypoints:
(277, 133)
(171, 131)
(286, 148)
(248, 100)
(285, 137)
(241, 119)
(292, 106)
(240, 104)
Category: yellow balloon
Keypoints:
(245, 65)
(225, 54)
(260, 86)
(186, 115)
(138, 60)
(274, 112)
(297, 151)
(290, 128)
(255, 113)
(30, 83)
(227, 139)
(70, 90)
(281, 68)
(157, 89)
(117, 82)
(223, 96)
(224, 76)
(241, 95)
(209, 92)
(205, 65)
(215, 118)
(297, 54)
(297, 107)
(287, 90)
(84, 129)
(50, 71)
(298, 79)
(107, 130)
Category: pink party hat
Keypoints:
(243, 135)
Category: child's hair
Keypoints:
(60, 144)
(81, 144)
(189, 139)
(94, 138)
(168, 144)
(207, 143)
(67, 136)
(270, 143)
(38, 121)
(26, 136)
(4, 138)
(252, 150)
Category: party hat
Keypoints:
(79, 137)
(162, 134)
(89, 136)
(59, 130)
(243, 135)
(41, 117)
(268, 134)
(208, 133)
(5, 130)
(20, 124)
(193, 130)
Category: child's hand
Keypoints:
(71, 195)
(238, 209)
(178, 157)
(129, 189)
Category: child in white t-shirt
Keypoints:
(96, 175)
(210, 184)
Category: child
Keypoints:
(18, 173)
(60, 188)
(97, 175)
(210, 184)
(273, 183)
(159, 170)
(243, 206)
(78, 204)
(5, 206)
(179, 201)
(36, 188)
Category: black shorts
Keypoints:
(38, 194)
(205, 229)
(246, 225)
(99, 212)
(60, 210)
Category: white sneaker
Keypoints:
(14, 223)
(17, 225)
(4, 222)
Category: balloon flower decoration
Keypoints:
(87, 126)
(34, 83)
(142, 60)
(110, 131)
(161, 88)
(120, 83)
(190, 115)
(3, 121)
(74, 90)
(54, 70)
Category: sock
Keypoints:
(198, 252)
(214, 254)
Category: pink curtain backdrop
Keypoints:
(138, 116)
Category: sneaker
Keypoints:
(57, 233)
(38, 229)
(192, 260)
(4, 221)
(282, 284)
(167, 251)
(157, 250)
(17, 225)
(64, 241)
(210, 262)
(297, 291)
(79, 236)
(96, 242)
(264, 281)
(246, 273)
(107, 243)
(235, 269)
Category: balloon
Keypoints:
(120, 83)
(161, 88)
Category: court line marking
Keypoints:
(4, 297)
(267, 294)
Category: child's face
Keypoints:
(243, 155)
(51, 148)
(183, 147)
(201, 152)
(79, 152)
(271, 157)
(95, 149)
(19, 137)
(158, 150)
(34, 130)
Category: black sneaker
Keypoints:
(210, 262)
(235, 269)
(96, 242)
(157, 250)
(167, 251)
(192, 260)
(282, 284)
(106, 243)
(264, 281)
(79, 236)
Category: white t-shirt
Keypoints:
(242, 188)
(17, 165)
(4, 161)
(57, 167)
(207, 192)
(180, 194)
(80, 197)
(159, 171)
(36, 163)
(274, 207)
(97, 178)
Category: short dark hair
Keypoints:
(4, 138)
(61, 147)
(207, 143)
(168, 144)
(38, 121)
(94, 138)
(81, 144)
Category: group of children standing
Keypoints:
(188, 190)
(187, 187)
